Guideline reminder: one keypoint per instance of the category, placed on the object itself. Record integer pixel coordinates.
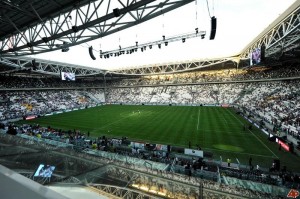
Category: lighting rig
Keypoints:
(143, 47)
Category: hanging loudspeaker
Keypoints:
(91, 53)
(213, 28)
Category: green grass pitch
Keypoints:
(215, 129)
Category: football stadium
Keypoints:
(113, 99)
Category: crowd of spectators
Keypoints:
(19, 104)
(223, 75)
(277, 102)
(17, 82)
(201, 76)
(83, 140)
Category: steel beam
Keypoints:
(282, 35)
(49, 67)
(82, 24)
(172, 67)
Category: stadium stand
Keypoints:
(127, 165)
(265, 95)
(274, 100)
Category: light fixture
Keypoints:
(163, 41)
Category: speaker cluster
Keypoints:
(213, 28)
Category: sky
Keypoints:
(238, 23)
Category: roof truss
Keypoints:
(172, 67)
(282, 37)
(48, 67)
(81, 24)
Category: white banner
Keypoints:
(137, 145)
(193, 152)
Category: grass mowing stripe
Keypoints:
(255, 136)
(175, 125)
(198, 119)
(111, 123)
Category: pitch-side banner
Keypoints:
(161, 147)
(193, 152)
(137, 145)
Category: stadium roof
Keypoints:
(238, 22)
